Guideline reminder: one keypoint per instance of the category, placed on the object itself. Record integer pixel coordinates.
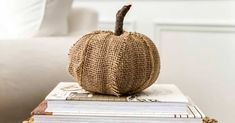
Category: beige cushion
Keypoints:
(29, 70)
(82, 20)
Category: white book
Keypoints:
(157, 99)
(194, 116)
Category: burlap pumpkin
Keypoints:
(115, 63)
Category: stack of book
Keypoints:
(160, 103)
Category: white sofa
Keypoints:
(30, 68)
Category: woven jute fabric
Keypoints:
(209, 120)
(108, 64)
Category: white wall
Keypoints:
(196, 39)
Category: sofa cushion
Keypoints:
(82, 20)
(30, 68)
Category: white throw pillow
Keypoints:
(29, 18)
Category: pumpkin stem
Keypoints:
(119, 19)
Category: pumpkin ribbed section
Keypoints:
(108, 64)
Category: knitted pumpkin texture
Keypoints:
(114, 63)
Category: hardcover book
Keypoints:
(40, 115)
(71, 91)
(160, 99)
